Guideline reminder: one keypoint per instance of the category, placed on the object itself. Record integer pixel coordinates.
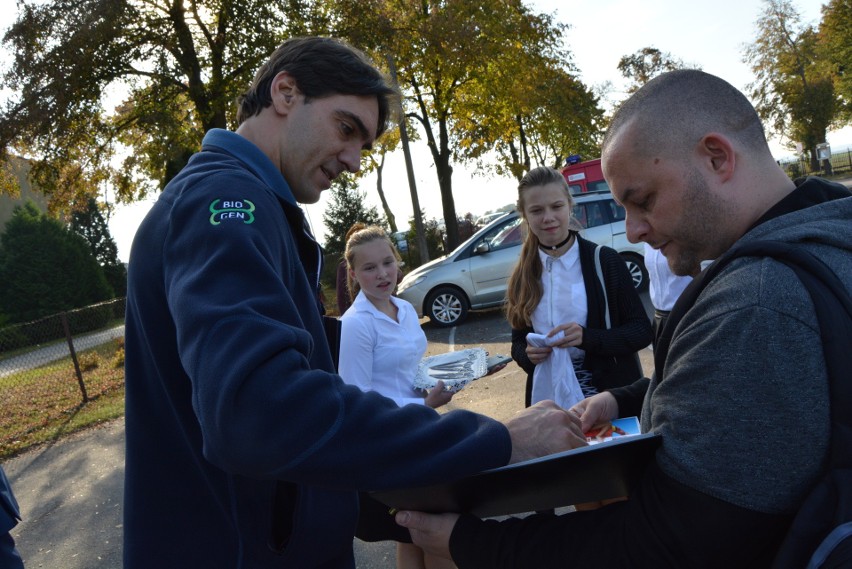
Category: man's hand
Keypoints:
(595, 410)
(544, 428)
(429, 531)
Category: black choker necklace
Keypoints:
(558, 245)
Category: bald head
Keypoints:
(675, 110)
(687, 157)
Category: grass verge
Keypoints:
(44, 404)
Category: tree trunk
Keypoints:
(409, 168)
(448, 203)
(524, 150)
(814, 161)
(445, 183)
(388, 213)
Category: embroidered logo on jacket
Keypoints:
(231, 210)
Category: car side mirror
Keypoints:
(481, 247)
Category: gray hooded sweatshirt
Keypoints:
(743, 408)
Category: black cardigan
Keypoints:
(611, 355)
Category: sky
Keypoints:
(711, 35)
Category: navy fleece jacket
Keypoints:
(244, 449)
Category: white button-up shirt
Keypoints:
(665, 286)
(564, 294)
(380, 354)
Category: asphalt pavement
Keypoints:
(70, 495)
(70, 491)
(57, 351)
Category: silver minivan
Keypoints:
(475, 274)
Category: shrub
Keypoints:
(118, 358)
(89, 361)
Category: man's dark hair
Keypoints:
(674, 110)
(321, 67)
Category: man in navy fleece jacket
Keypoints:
(244, 448)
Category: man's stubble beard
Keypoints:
(699, 232)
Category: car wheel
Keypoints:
(446, 306)
(638, 272)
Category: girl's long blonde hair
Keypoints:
(524, 290)
(360, 236)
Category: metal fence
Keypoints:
(52, 366)
(841, 163)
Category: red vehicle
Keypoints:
(584, 177)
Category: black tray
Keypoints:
(587, 474)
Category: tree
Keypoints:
(645, 64)
(91, 226)
(449, 55)
(376, 162)
(560, 116)
(182, 64)
(432, 238)
(835, 39)
(792, 91)
(45, 268)
(345, 208)
(531, 109)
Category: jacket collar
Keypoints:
(241, 148)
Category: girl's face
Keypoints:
(375, 268)
(547, 210)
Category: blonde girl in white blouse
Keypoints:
(382, 344)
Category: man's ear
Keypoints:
(717, 153)
(283, 91)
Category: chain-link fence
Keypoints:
(50, 367)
